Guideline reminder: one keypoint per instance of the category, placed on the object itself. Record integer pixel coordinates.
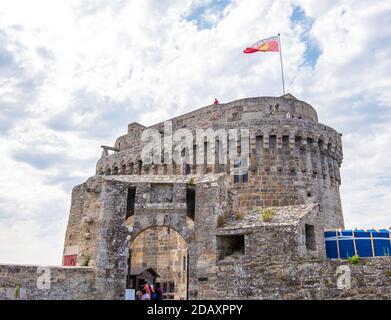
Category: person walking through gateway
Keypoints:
(139, 293)
(159, 291)
(147, 288)
(154, 295)
(145, 296)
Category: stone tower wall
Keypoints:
(292, 160)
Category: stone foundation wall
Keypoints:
(311, 279)
(232, 279)
(47, 283)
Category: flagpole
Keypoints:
(282, 68)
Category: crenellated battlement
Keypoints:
(283, 143)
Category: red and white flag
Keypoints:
(269, 44)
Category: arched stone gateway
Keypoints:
(109, 212)
(181, 225)
(164, 251)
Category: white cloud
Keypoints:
(349, 89)
(77, 72)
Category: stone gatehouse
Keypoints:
(210, 231)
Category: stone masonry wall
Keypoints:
(84, 222)
(311, 279)
(241, 279)
(66, 283)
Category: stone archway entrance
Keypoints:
(160, 254)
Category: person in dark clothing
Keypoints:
(159, 290)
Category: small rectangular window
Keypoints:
(131, 199)
(217, 151)
(131, 168)
(241, 173)
(236, 176)
(174, 168)
(310, 241)
(244, 170)
(272, 142)
(309, 155)
(171, 287)
(259, 148)
(190, 202)
(230, 245)
(245, 177)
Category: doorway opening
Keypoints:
(159, 254)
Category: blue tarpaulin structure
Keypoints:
(364, 243)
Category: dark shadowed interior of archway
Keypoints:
(163, 250)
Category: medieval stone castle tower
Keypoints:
(293, 167)
(208, 229)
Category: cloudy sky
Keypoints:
(73, 74)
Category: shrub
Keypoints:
(267, 215)
(86, 262)
(221, 220)
(239, 215)
(17, 291)
(354, 259)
